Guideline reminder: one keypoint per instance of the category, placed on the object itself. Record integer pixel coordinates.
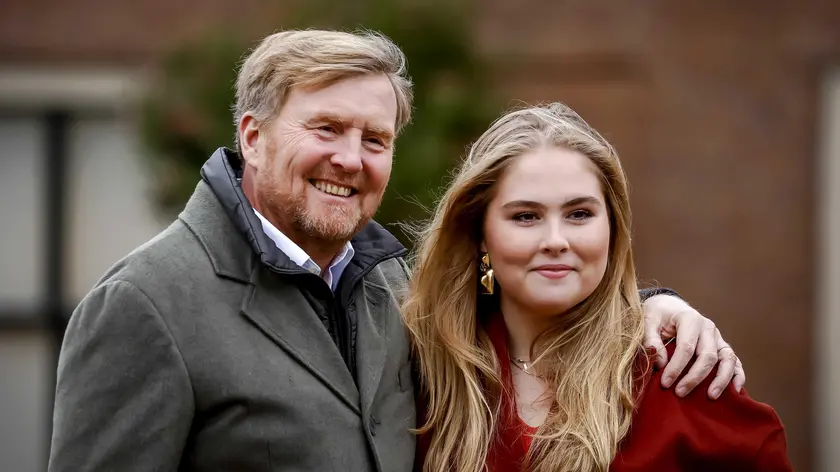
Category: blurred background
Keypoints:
(726, 114)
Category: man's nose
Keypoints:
(348, 156)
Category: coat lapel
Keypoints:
(373, 309)
(283, 314)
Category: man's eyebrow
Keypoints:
(326, 116)
(381, 131)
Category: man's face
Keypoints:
(322, 165)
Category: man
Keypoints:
(261, 331)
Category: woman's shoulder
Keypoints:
(696, 433)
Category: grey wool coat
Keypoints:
(207, 349)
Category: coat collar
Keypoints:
(220, 189)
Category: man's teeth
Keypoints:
(333, 189)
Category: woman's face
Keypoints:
(547, 231)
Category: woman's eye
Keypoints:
(580, 214)
(525, 217)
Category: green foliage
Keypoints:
(188, 115)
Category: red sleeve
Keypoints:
(772, 455)
(734, 432)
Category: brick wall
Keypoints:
(78, 31)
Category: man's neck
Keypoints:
(321, 251)
(322, 254)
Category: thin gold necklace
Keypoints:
(522, 365)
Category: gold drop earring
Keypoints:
(487, 280)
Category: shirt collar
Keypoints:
(333, 273)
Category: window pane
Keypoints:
(26, 368)
(109, 207)
(21, 214)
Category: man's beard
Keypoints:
(329, 223)
(332, 223)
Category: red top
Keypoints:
(668, 433)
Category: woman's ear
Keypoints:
(482, 247)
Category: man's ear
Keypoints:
(249, 140)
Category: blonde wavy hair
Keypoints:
(589, 358)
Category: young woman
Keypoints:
(527, 323)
